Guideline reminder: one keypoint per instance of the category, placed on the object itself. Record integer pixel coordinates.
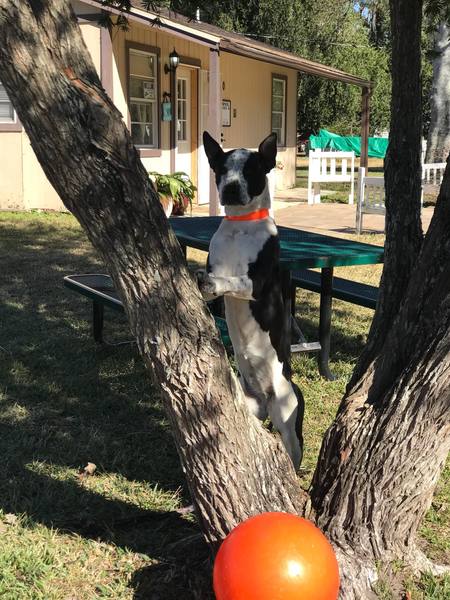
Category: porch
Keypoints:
(334, 219)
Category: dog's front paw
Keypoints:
(201, 275)
(206, 284)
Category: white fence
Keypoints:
(330, 167)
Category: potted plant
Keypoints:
(176, 191)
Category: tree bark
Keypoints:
(438, 142)
(233, 466)
(402, 175)
(382, 457)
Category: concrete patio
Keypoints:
(333, 218)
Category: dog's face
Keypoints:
(240, 174)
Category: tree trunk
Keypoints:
(402, 175)
(438, 143)
(86, 152)
(382, 457)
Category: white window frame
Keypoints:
(5, 100)
(182, 101)
(281, 139)
(153, 102)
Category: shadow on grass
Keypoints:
(64, 401)
(346, 344)
(184, 573)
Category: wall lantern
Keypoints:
(174, 61)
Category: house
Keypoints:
(237, 88)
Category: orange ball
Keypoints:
(276, 556)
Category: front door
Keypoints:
(184, 121)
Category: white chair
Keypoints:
(371, 194)
(370, 197)
(329, 167)
(433, 173)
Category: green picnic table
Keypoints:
(299, 250)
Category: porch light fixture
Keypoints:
(174, 61)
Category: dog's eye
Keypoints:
(255, 176)
(219, 172)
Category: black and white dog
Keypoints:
(243, 266)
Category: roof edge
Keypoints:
(235, 44)
(289, 60)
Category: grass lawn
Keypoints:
(65, 402)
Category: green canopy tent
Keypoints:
(325, 140)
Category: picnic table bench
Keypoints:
(342, 289)
(99, 288)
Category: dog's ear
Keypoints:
(268, 151)
(212, 149)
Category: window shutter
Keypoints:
(6, 107)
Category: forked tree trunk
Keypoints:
(438, 143)
(382, 457)
(233, 466)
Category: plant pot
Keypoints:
(178, 210)
(181, 206)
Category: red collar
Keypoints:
(256, 215)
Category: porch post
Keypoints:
(173, 122)
(106, 61)
(365, 113)
(215, 96)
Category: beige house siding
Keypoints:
(11, 195)
(91, 35)
(23, 184)
(37, 190)
(247, 83)
(153, 37)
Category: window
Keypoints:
(182, 105)
(7, 113)
(279, 108)
(143, 93)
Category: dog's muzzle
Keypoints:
(232, 194)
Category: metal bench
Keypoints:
(99, 288)
(343, 289)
